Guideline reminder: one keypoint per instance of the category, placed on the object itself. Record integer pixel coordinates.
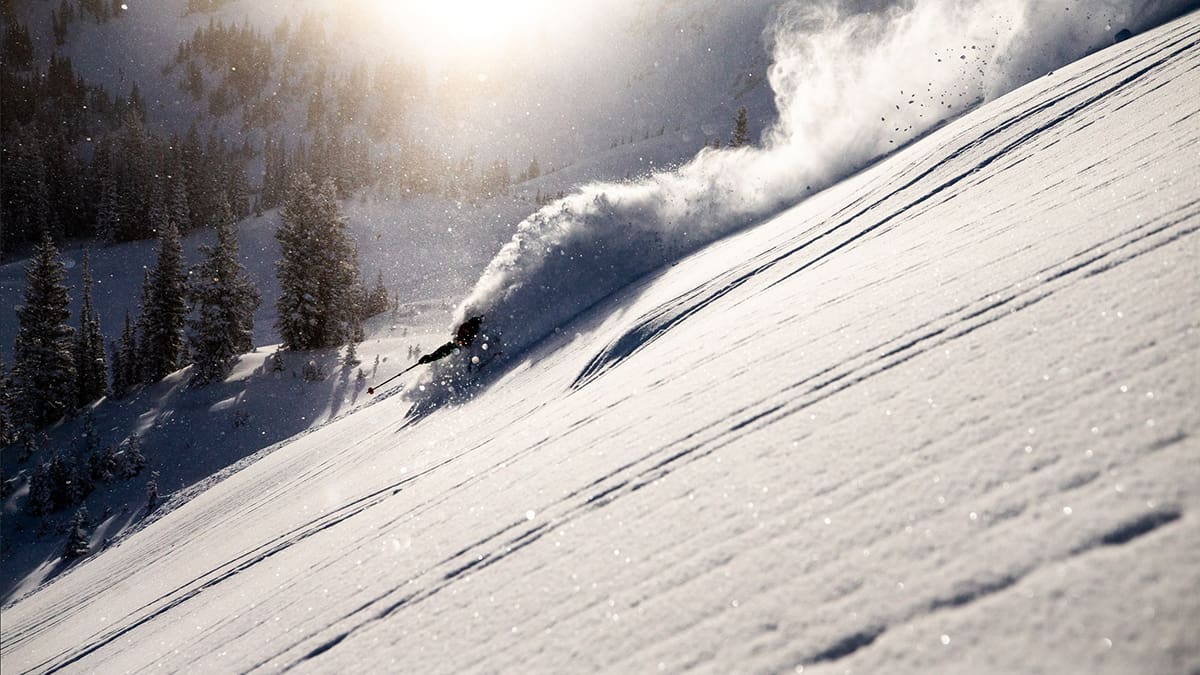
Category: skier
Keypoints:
(464, 337)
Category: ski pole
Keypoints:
(371, 390)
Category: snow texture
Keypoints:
(938, 417)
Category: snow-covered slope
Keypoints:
(941, 416)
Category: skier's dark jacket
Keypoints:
(463, 338)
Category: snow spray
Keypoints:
(852, 81)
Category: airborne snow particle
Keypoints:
(529, 515)
(945, 639)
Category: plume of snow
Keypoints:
(852, 81)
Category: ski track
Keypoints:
(945, 167)
(679, 309)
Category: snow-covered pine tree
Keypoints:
(356, 336)
(44, 367)
(377, 300)
(132, 461)
(350, 359)
(298, 309)
(741, 129)
(164, 308)
(341, 289)
(224, 299)
(104, 464)
(77, 540)
(91, 369)
(317, 269)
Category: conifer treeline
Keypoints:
(132, 181)
(80, 163)
(202, 316)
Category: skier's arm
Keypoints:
(440, 353)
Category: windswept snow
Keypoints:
(849, 87)
(938, 417)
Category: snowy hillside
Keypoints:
(940, 416)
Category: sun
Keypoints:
(467, 27)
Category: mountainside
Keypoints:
(939, 416)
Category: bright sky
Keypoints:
(478, 28)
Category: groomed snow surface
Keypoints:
(938, 418)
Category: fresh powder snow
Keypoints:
(782, 409)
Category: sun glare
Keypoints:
(467, 27)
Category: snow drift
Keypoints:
(852, 82)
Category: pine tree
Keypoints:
(89, 438)
(741, 129)
(156, 209)
(26, 198)
(108, 214)
(85, 448)
(178, 205)
(77, 540)
(191, 158)
(377, 301)
(65, 486)
(132, 460)
(104, 464)
(164, 308)
(125, 369)
(342, 291)
(317, 269)
(139, 330)
(41, 496)
(237, 193)
(224, 298)
(152, 492)
(44, 368)
(356, 336)
(8, 431)
(134, 179)
(91, 369)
